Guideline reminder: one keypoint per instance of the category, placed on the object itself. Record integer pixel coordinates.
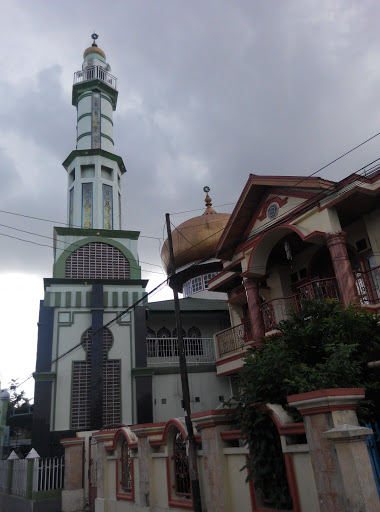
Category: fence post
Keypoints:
(12, 457)
(31, 457)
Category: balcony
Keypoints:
(233, 339)
(95, 72)
(164, 351)
(368, 286)
(276, 310)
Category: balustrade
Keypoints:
(276, 310)
(95, 72)
(233, 338)
(164, 351)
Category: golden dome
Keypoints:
(196, 238)
(94, 49)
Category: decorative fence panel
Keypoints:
(3, 475)
(20, 468)
(319, 289)
(48, 474)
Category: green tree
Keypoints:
(323, 345)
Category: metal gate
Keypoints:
(92, 472)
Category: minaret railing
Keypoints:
(95, 72)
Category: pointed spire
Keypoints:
(32, 454)
(13, 456)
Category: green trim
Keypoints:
(135, 297)
(10, 476)
(88, 299)
(83, 115)
(57, 299)
(104, 117)
(68, 299)
(84, 95)
(78, 300)
(143, 372)
(105, 299)
(109, 233)
(59, 265)
(94, 152)
(95, 55)
(85, 134)
(46, 495)
(49, 281)
(166, 370)
(90, 86)
(47, 299)
(106, 98)
(125, 299)
(107, 137)
(44, 376)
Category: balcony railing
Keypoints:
(95, 72)
(233, 338)
(319, 289)
(164, 351)
(368, 285)
(276, 310)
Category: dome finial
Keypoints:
(94, 38)
(208, 202)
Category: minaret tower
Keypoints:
(84, 371)
(94, 171)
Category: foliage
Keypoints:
(321, 346)
(19, 416)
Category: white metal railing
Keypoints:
(48, 474)
(20, 468)
(94, 72)
(3, 475)
(164, 351)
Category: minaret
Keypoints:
(94, 171)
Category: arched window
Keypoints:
(150, 342)
(125, 468)
(81, 385)
(194, 343)
(181, 467)
(97, 260)
(164, 343)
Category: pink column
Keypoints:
(254, 306)
(73, 491)
(323, 410)
(342, 267)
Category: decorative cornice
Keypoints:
(94, 152)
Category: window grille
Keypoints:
(97, 260)
(126, 468)
(181, 467)
(194, 344)
(150, 342)
(81, 385)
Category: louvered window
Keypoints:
(97, 260)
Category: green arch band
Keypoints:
(59, 265)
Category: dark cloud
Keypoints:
(208, 92)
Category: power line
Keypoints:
(62, 223)
(65, 250)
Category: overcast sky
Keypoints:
(209, 91)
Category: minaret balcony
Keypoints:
(95, 73)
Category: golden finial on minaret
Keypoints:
(208, 202)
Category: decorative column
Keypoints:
(215, 470)
(358, 479)
(73, 491)
(322, 411)
(251, 286)
(342, 267)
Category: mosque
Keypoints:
(101, 361)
